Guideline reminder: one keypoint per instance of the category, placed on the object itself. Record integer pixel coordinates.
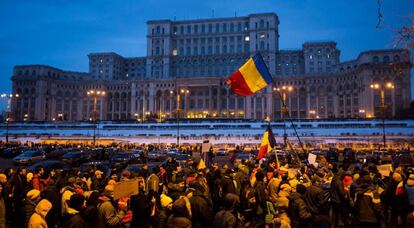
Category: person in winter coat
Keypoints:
(66, 193)
(141, 207)
(76, 218)
(395, 197)
(181, 214)
(108, 215)
(2, 209)
(340, 200)
(29, 204)
(298, 210)
(37, 220)
(260, 195)
(314, 198)
(91, 210)
(165, 211)
(201, 209)
(273, 186)
(97, 181)
(227, 184)
(368, 204)
(38, 182)
(228, 217)
(409, 187)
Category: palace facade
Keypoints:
(189, 61)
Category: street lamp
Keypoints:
(60, 115)
(95, 94)
(382, 88)
(180, 92)
(8, 118)
(284, 112)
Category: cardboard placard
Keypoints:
(125, 188)
(385, 170)
(312, 159)
(206, 146)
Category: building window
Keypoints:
(386, 59)
(375, 59)
(224, 27)
(261, 23)
(396, 58)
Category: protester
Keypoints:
(38, 217)
(265, 193)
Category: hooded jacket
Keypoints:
(298, 210)
(37, 220)
(368, 205)
(202, 211)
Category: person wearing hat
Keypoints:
(201, 208)
(66, 192)
(370, 212)
(75, 216)
(97, 181)
(314, 198)
(298, 209)
(395, 197)
(165, 211)
(409, 187)
(38, 218)
(108, 215)
(228, 216)
(181, 214)
(29, 204)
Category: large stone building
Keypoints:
(196, 57)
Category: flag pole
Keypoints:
(288, 114)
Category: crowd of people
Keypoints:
(244, 194)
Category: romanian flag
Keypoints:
(251, 77)
(268, 143)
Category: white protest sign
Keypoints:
(206, 146)
(312, 159)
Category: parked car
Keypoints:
(29, 157)
(332, 155)
(103, 166)
(56, 153)
(121, 159)
(156, 156)
(11, 152)
(359, 155)
(49, 165)
(75, 158)
(405, 159)
(221, 152)
(238, 157)
(383, 155)
(177, 155)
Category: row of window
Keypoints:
(385, 59)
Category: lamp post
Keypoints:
(382, 88)
(284, 112)
(95, 94)
(8, 118)
(179, 93)
(61, 116)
